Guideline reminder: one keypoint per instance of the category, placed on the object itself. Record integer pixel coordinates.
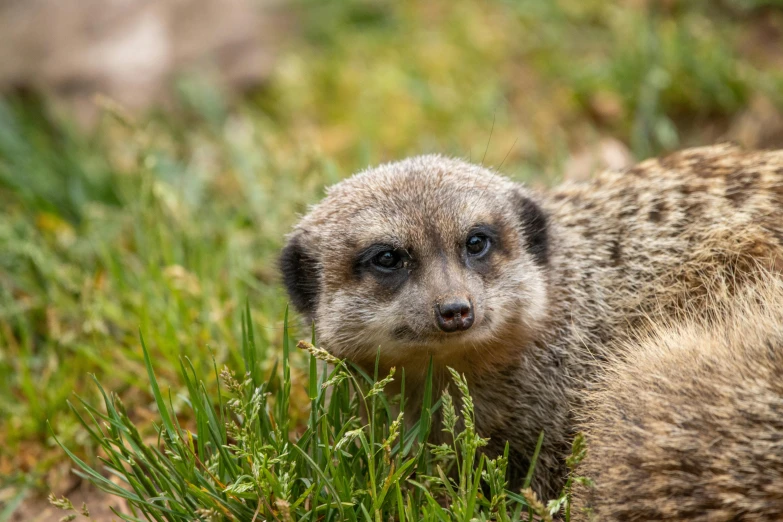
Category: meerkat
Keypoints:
(524, 291)
(686, 423)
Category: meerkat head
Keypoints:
(426, 257)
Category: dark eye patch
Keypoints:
(489, 232)
(368, 254)
(386, 263)
(388, 260)
(481, 240)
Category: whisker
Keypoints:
(491, 130)
(507, 153)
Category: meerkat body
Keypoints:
(524, 292)
(686, 423)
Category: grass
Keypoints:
(357, 458)
(167, 223)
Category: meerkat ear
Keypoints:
(535, 227)
(300, 275)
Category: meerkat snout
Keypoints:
(454, 314)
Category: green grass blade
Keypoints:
(533, 460)
(159, 401)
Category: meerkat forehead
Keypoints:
(412, 200)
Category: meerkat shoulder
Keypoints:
(686, 422)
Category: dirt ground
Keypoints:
(38, 508)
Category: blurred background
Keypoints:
(153, 153)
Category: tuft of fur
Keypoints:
(686, 422)
(578, 269)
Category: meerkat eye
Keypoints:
(477, 244)
(388, 260)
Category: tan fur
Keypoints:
(623, 251)
(687, 422)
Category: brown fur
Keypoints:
(579, 268)
(687, 423)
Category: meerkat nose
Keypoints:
(454, 314)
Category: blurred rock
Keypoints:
(760, 126)
(608, 154)
(606, 107)
(129, 50)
